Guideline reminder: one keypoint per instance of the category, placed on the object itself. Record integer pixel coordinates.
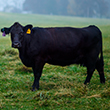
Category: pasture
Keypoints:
(60, 87)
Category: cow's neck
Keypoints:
(25, 46)
(23, 53)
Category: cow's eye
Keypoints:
(21, 33)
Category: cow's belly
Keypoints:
(64, 61)
(60, 63)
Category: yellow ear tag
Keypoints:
(28, 31)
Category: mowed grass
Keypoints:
(60, 87)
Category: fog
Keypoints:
(82, 8)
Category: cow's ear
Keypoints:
(27, 29)
(5, 31)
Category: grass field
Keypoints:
(61, 88)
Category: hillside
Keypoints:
(49, 20)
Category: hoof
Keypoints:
(34, 89)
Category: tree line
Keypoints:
(83, 8)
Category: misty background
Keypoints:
(81, 8)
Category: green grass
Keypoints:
(60, 87)
(49, 21)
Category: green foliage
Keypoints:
(84, 8)
(60, 87)
(88, 8)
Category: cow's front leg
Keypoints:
(37, 69)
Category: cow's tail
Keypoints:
(101, 52)
(100, 64)
(100, 61)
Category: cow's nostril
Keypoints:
(16, 45)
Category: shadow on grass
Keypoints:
(9, 51)
(23, 70)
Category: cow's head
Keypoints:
(17, 32)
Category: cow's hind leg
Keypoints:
(100, 69)
(90, 64)
(89, 74)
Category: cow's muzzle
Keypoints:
(16, 45)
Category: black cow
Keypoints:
(58, 46)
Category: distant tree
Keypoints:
(84, 8)
(88, 8)
(37, 6)
(46, 6)
(102, 6)
(71, 8)
(61, 7)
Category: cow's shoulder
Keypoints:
(36, 29)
